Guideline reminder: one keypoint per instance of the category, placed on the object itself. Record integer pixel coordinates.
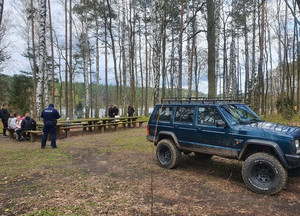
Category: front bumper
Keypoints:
(293, 160)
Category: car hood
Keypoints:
(275, 128)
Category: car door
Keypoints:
(184, 125)
(211, 138)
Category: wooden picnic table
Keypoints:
(104, 124)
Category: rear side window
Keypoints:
(207, 116)
(165, 114)
(184, 114)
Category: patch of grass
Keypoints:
(278, 118)
(18, 161)
(131, 142)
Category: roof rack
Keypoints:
(202, 100)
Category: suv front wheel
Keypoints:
(167, 154)
(264, 174)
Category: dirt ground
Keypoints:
(110, 174)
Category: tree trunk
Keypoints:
(97, 69)
(42, 56)
(232, 67)
(164, 38)
(211, 40)
(106, 72)
(124, 59)
(141, 68)
(146, 63)
(253, 68)
(52, 54)
(1, 10)
(156, 50)
(260, 88)
(132, 55)
(179, 81)
(66, 60)
(71, 105)
(34, 60)
(285, 72)
(246, 62)
(113, 48)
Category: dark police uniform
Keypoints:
(50, 116)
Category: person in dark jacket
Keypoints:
(50, 116)
(130, 111)
(115, 111)
(28, 124)
(110, 111)
(4, 115)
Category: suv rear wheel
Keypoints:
(264, 174)
(167, 154)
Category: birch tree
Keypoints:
(1, 10)
(42, 82)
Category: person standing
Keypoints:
(115, 111)
(4, 115)
(110, 111)
(130, 111)
(50, 116)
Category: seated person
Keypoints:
(18, 128)
(28, 123)
(12, 122)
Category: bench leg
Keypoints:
(134, 124)
(32, 137)
(84, 128)
(67, 132)
(116, 126)
(11, 134)
(141, 124)
(102, 129)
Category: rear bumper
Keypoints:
(150, 138)
(293, 160)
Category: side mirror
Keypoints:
(220, 123)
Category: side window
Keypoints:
(165, 114)
(207, 116)
(184, 114)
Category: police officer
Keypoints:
(50, 116)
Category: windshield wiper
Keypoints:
(254, 120)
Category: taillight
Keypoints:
(148, 130)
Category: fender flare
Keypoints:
(267, 143)
(169, 134)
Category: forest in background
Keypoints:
(152, 49)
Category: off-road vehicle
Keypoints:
(226, 128)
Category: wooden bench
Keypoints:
(140, 122)
(98, 127)
(33, 134)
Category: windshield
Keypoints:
(239, 114)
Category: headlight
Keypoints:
(297, 143)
